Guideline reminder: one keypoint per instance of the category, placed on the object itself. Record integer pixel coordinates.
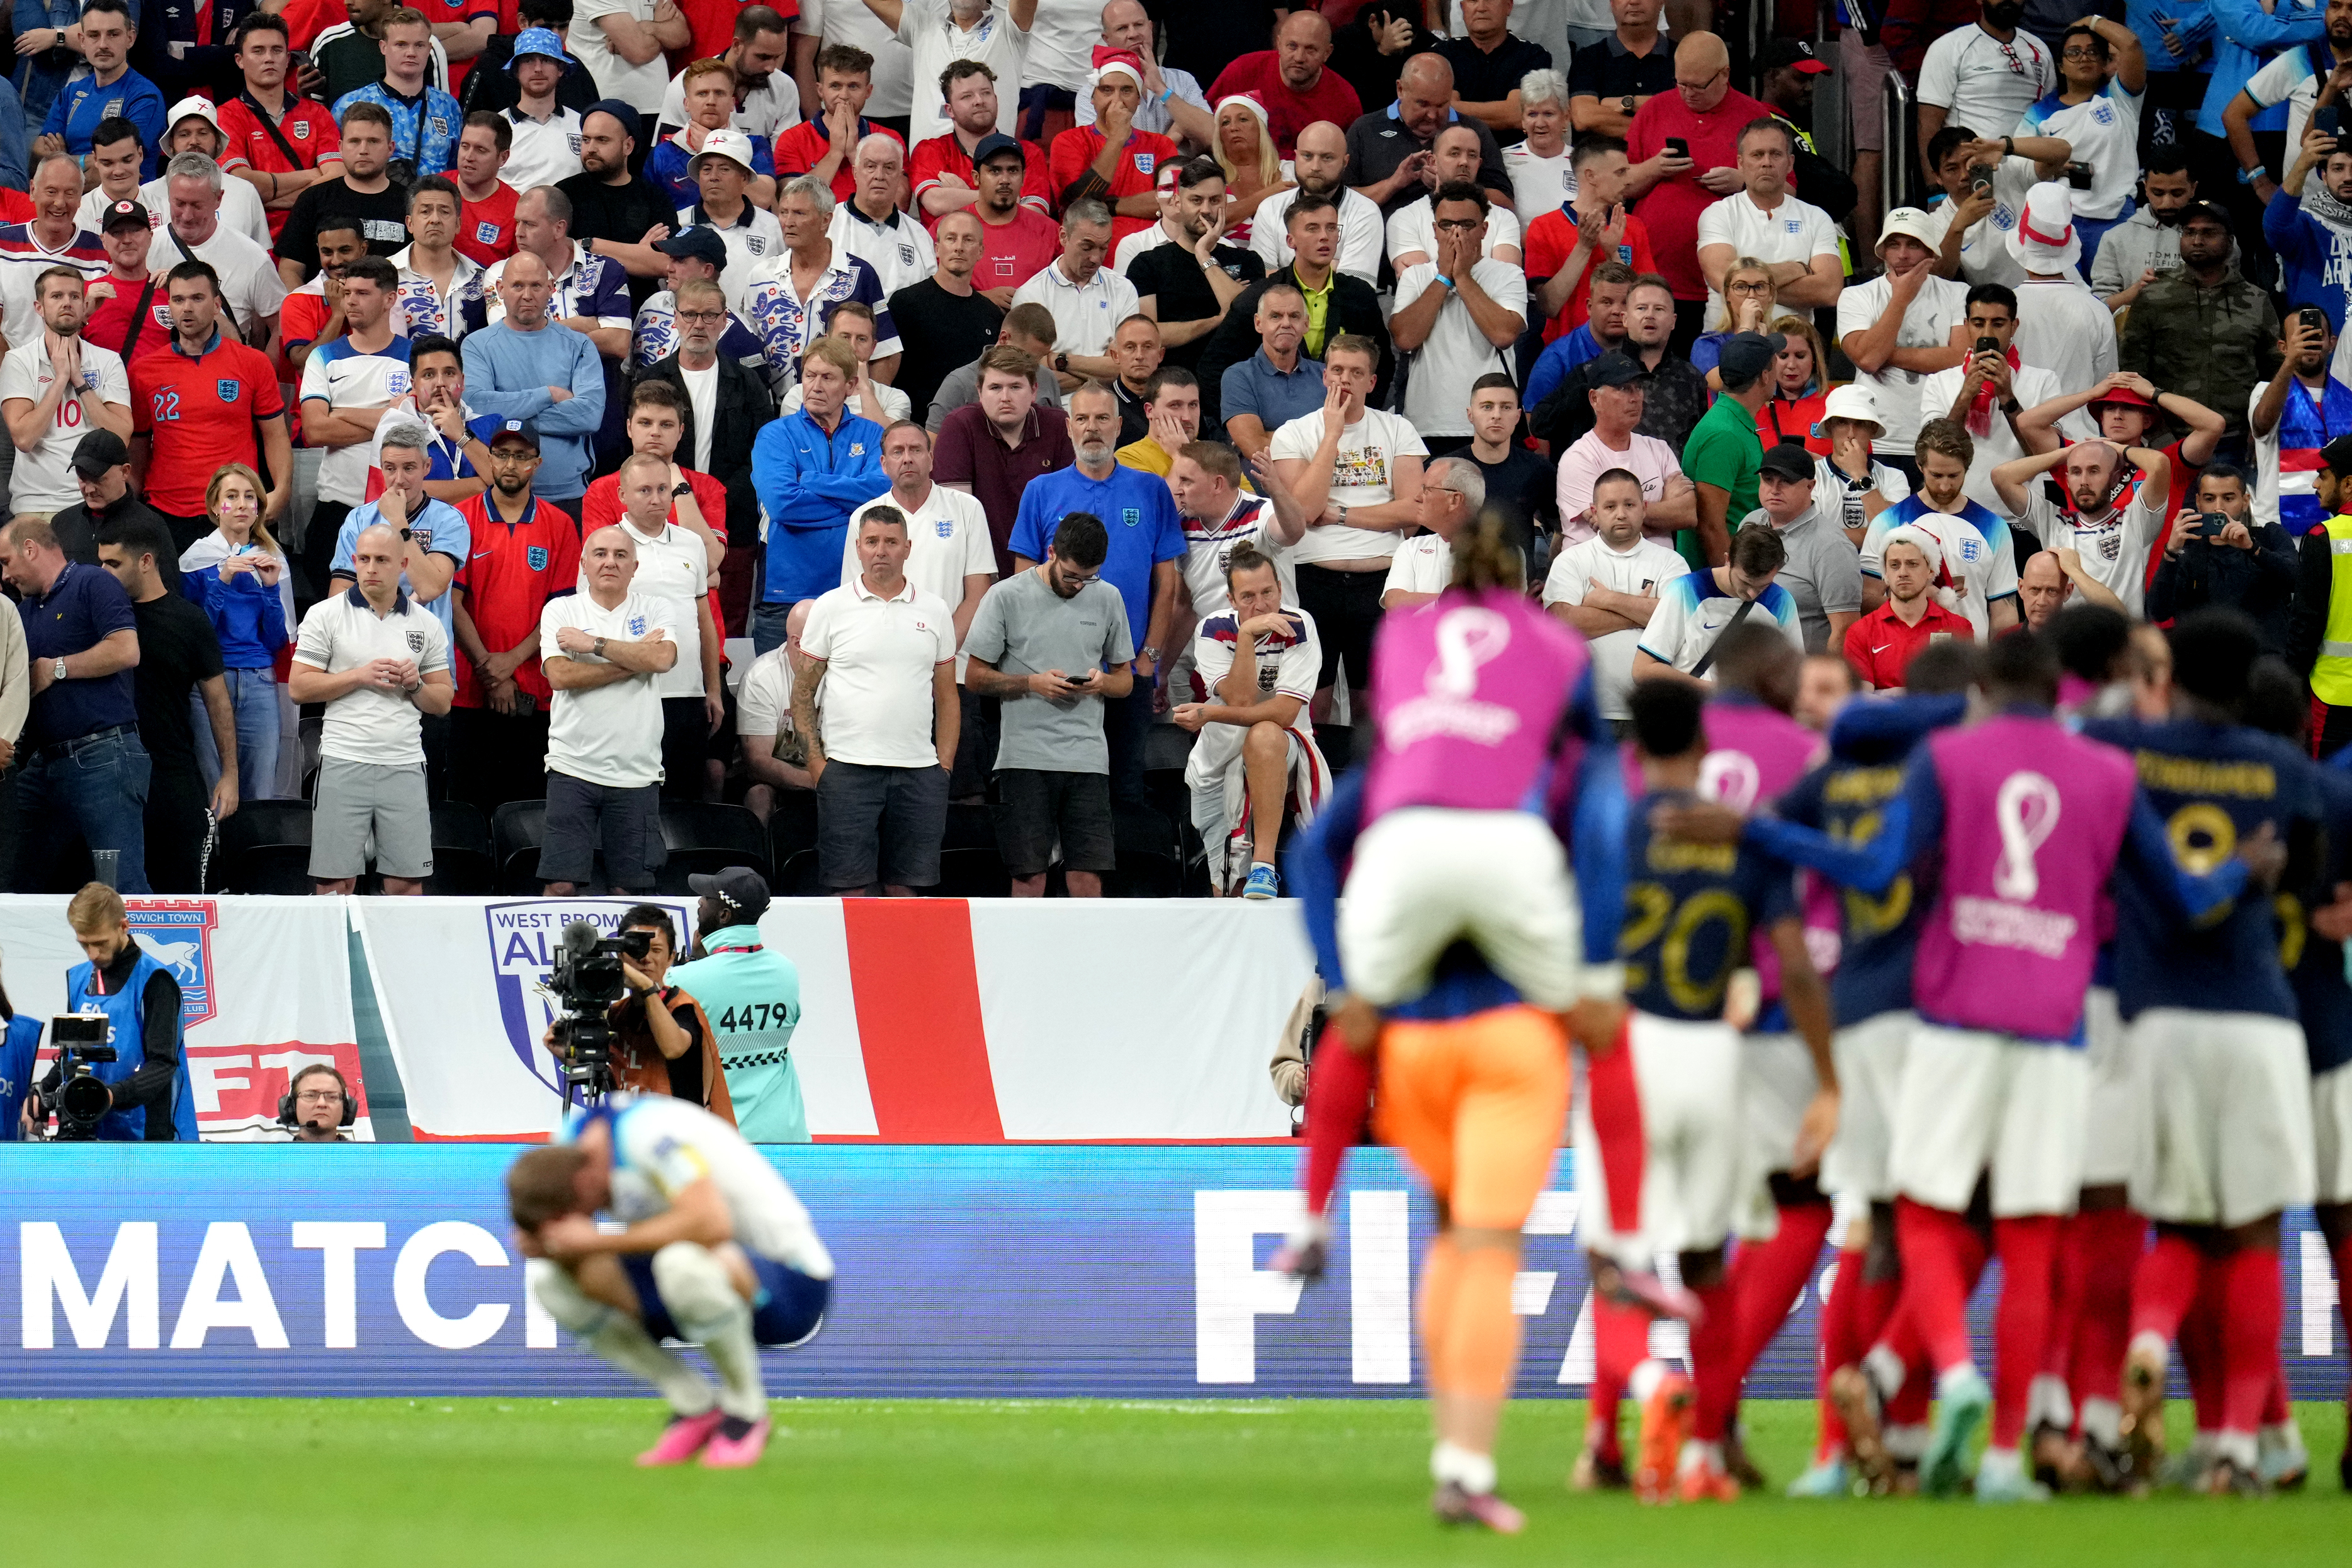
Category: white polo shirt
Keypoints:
(755, 240)
(926, 28)
(1941, 304)
(1793, 231)
(1422, 564)
(1361, 235)
(880, 657)
(1413, 227)
(899, 251)
(947, 541)
(240, 207)
(372, 726)
(1437, 394)
(672, 569)
(249, 283)
(764, 110)
(1644, 570)
(545, 151)
(1086, 315)
(609, 735)
(43, 480)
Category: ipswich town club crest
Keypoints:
(524, 937)
(177, 932)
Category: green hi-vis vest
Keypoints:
(2331, 674)
(752, 998)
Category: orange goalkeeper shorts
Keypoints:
(1478, 1105)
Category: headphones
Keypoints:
(286, 1101)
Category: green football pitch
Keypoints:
(977, 1483)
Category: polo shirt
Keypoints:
(1879, 647)
(899, 251)
(84, 607)
(1086, 315)
(1823, 574)
(511, 570)
(250, 290)
(1362, 234)
(754, 241)
(545, 152)
(486, 229)
(1723, 451)
(969, 452)
(804, 146)
(1171, 276)
(23, 259)
(1136, 511)
(947, 541)
(440, 527)
(1288, 110)
(1013, 252)
(81, 103)
(1378, 143)
(1551, 240)
(609, 735)
(879, 655)
(1277, 396)
(1672, 207)
(1608, 70)
(1489, 76)
(372, 726)
(1422, 564)
(1645, 570)
(928, 30)
(197, 412)
(420, 309)
(946, 155)
(310, 134)
(673, 569)
(341, 375)
(1075, 149)
(1793, 231)
(787, 324)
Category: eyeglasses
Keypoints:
(702, 315)
(1762, 286)
(2083, 54)
(1710, 81)
(318, 1097)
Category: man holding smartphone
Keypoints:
(2311, 228)
(2301, 410)
(2219, 553)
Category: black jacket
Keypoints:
(1354, 309)
(2261, 581)
(744, 406)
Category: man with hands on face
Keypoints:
(1110, 160)
(39, 380)
(379, 662)
(1565, 244)
(457, 449)
(1187, 287)
(1461, 313)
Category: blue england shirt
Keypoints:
(74, 112)
(424, 127)
(1136, 511)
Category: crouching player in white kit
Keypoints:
(717, 1251)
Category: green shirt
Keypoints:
(752, 998)
(1723, 451)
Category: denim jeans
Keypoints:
(99, 787)
(768, 625)
(253, 695)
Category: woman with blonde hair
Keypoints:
(1799, 380)
(236, 574)
(1749, 299)
(1253, 166)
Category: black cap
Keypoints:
(2211, 212)
(124, 214)
(1792, 52)
(1786, 460)
(739, 887)
(996, 141)
(1747, 355)
(698, 243)
(100, 451)
(523, 430)
(1613, 370)
(2336, 454)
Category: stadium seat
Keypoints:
(792, 825)
(265, 847)
(703, 837)
(516, 833)
(796, 878)
(1168, 745)
(972, 873)
(969, 828)
(463, 862)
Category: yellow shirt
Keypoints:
(1151, 457)
(1318, 313)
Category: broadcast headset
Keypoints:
(286, 1117)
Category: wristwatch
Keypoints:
(1343, 514)
(1626, 104)
(1061, 362)
(682, 488)
(58, 671)
(406, 534)
(599, 649)
(1151, 653)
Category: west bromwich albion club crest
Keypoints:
(536, 555)
(228, 387)
(521, 941)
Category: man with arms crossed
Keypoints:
(1607, 587)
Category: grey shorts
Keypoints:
(1034, 809)
(1864, 68)
(357, 799)
(582, 818)
(879, 824)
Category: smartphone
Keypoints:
(1678, 146)
(2210, 524)
(2328, 119)
(2078, 176)
(1988, 345)
(2311, 316)
(1980, 179)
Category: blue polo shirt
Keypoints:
(82, 610)
(444, 531)
(81, 103)
(1136, 511)
(1276, 397)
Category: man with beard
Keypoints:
(1320, 169)
(1291, 80)
(614, 212)
(767, 101)
(1675, 396)
(2147, 244)
(1187, 287)
(1017, 242)
(944, 170)
(2204, 331)
(1987, 76)
(2103, 518)
(2300, 411)
(2130, 412)
(53, 390)
(2311, 229)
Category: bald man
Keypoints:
(1670, 191)
(1390, 146)
(1292, 80)
(1320, 168)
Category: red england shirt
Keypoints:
(486, 228)
(1879, 647)
(511, 573)
(197, 412)
(1551, 240)
(945, 155)
(1134, 174)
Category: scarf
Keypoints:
(1980, 411)
(2322, 204)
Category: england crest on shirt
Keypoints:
(228, 388)
(300, 130)
(1130, 516)
(756, 243)
(1794, 226)
(2104, 113)
(907, 255)
(416, 642)
(536, 555)
(944, 527)
(637, 625)
(486, 234)
(1143, 161)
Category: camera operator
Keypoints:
(140, 1002)
(318, 1110)
(753, 997)
(662, 1041)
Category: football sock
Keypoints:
(1842, 1342)
(2028, 1248)
(1766, 1278)
(2198, 1343)
(2344, 1290)
(1439, 1270)
(1482, 1333)
(1908, 1407)
(2112, 1240)
(1936, 1243)
(702, 1300)
(1621, 1345)
(618, 1339)
(2164, 1287)
(1715, 1369)
(1615, 1104)
(2065, 1311)
(1339, 1106)
(2276, 1412)
(1471, 1471)
(2249, 1336)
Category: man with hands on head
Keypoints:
(2108, 516)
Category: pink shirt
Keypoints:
(1648, 459)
